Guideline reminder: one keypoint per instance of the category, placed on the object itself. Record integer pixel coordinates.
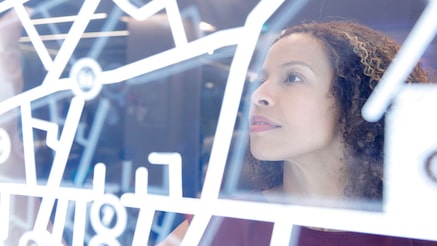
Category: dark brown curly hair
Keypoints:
(359, 56)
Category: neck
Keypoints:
(321, 182)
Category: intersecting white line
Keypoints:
(67, 193)
(245, 37)
(34, 94)
(228, 113)
(233, 93)
(172, 56)
(282, 230)
(52, 130)
(60, 159)
(174, 162)
(65, 52)
(39, 46)
(91, 143)
(369, 222)
(143, 12)
(111, 22)
(176, 23)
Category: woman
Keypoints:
(308, 140)
(328, 70)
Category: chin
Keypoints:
(262, 156)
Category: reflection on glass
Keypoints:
(124, 120)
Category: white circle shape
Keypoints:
(5, 146)
(431, 167)
(120, 213)
(85, 74)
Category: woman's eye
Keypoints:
(292, 78)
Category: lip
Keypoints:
(260, 123)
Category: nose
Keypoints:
(261, 96)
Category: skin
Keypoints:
(302, 126)
(299, 123)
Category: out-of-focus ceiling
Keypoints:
(229, 13)
(395, 17)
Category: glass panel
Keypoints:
(231, 121)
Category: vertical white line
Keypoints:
(99, 178)
(30, 216)
(141, 181)
(28, 143)
(79, 223)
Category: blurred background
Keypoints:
(174, 109)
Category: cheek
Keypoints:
(328, 121)
(313, 117)
(304, 111)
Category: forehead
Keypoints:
(301, 47)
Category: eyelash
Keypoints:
(261, 79)
(288, 79)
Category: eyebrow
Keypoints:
(299, 63)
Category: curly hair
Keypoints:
(359, 56)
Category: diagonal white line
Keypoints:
(74, 35)
(172, 56)
(7, 4)
(60, 160)
(232, 96)
(39, 46)
(409, 54)
(176, 23)
(33, 94)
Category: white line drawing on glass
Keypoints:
(88, 86)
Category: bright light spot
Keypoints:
(206, 27)
(209, 85)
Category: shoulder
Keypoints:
(308, 236)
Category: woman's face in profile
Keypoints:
(293, 116)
